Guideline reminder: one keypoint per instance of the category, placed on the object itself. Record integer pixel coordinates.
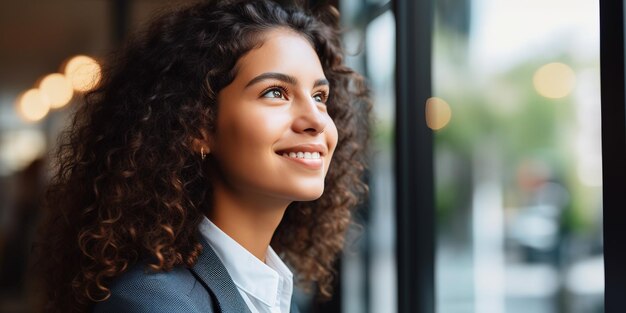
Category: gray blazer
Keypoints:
(206, 288)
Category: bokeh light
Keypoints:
(33, 105)
(19, 148)
(554, 80)
(83, 72)
(57, 88)
(438, 113)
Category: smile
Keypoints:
(308, 160)
(302, 155)
(310, 155)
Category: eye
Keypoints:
(276, 92)
(321, 97)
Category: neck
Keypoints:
(251, 220)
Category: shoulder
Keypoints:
(140, 290)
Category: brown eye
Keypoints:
(275, 92)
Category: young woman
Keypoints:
(228, 134)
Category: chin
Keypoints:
(309, 195)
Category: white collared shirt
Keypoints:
(265, 287)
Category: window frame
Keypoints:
(415, 210)
(613, 151)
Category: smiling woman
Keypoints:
(227, 138)
(275, 106)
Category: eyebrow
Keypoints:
(284, 78)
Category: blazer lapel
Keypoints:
(210, 270)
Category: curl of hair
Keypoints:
(128, 185)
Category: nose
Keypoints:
(308, 118)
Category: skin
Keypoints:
(256, 120)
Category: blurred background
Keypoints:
(515, 116)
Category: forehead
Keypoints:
(283, 51)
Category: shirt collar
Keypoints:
(258, 279)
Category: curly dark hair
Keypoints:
(127, 183)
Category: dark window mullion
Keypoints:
(613, 151)
(415, 218)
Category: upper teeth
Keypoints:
(302, 155)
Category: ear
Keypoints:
(202, 144)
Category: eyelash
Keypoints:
(282, 89)
(285, 90)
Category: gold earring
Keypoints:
(202, 154)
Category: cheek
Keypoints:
(243, 149)
(332, 135)
(251, 131)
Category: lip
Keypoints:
(306, 147)
(314, 164)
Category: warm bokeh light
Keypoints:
(438, 113)
(83, 72)
(33, 105)
(554, 80)
(57, 89)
